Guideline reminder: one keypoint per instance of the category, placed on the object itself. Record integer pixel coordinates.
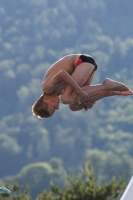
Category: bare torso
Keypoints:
(67, 63)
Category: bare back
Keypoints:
(67, 63)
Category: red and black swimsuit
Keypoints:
(88, 59)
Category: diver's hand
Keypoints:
(88, 105)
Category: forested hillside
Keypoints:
(33, 35)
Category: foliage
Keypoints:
(83, 187)
(38, 176)
(16, 193)
(87, 189)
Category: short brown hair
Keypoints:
(40, 108)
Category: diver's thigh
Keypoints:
(82, 72)
(89, 80)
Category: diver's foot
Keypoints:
(114, 85)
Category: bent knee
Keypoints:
(64, 100)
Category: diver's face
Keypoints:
(53, 104)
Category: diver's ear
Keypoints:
(45, 99)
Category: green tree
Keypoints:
(85, 188)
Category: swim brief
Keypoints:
(88, 59)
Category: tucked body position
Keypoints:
(69, 80)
